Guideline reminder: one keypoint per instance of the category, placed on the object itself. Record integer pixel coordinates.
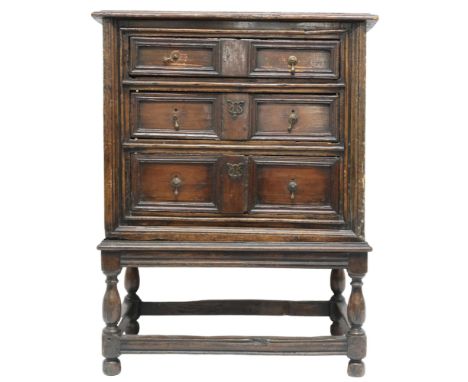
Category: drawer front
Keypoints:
(154, 56)
(182, 183)
(288, 185)
(174, 115)
(232, 185)
(235, 116)
(296, 117)
(163, 56)
(294, 59)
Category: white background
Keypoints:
(52, 207)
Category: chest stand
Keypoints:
(120, 335)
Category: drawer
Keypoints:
(293, 184)
(232, 184)
(296, 117)
(235, 116)
(164, 56)
(174, 115)
(295, 59)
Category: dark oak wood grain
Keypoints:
(296, 117)
(338, 305)
(233, 184)
(234, 140)
(109, 246)
(235, 117)
(234, 345)
(111, 310)
(287, 183)
(266, 16)
(159, 183)
(132, 303)
(357, 340)
(160, 56)
(237, 307)
(174, 115)
(312, 59)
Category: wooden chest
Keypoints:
(234, 139)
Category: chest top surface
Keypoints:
(234, 126)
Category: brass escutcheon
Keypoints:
(235, 108)
(235, 170)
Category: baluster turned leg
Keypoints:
(132, 301)
(357, 341)
(111, 309)
(339, 327)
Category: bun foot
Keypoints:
(111, 366)
(356, 369)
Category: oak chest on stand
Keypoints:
(234, 140)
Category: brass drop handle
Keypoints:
(292, 120)
(176, 183)
(173, 57)
(292, 188)
(292, 62)
(175, 120)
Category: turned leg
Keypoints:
(356, 336)
(339, 327)
(131, 304)
(111, 315)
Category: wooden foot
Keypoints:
(132, 303)
(340, 326)
(111, 309)
(111, 366)
(357, 341)
(356, 368)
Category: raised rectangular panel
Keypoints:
(177, 183)
(288, 185)
(173, 56)
(174, 115)
(296, 117)
(313, 59)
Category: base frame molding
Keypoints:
(264, 345)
